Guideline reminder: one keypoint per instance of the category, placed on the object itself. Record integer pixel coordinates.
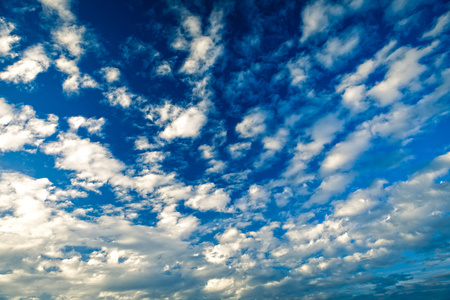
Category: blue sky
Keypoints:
(224, 149)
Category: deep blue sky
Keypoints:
(224, 149)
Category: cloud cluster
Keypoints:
(21, 127)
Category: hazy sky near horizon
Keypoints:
(224, 149)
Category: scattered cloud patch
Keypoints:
(34, 60)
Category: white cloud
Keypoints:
(330, 186)
(276, 142)
(351, 84)
(208, 197)
(33, 61)
(239, 150)
(257, 198)
(322, 133)
(343, 154)
(164, 69)
(403, 69)
(366, 68)
(353, 98)
(360, 201)
(142, 143)
(75, 79)
(204, 49)
(282, 199)
(187, 125)
(337, 48)
(120, 97)
(61, 7)
(298, 70)
(219, 284)
(147, 183)
(7, 41)
(94, 164)
(175, 224)
(71, 38)
(111, 74)
(440, 26)
(318, 16)
(253, 124)
(21, 127)
(93, 126)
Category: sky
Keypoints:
(224, 149)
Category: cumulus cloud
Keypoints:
(61, 7)
(120, 97)
(110, 74)
(164, 69)
(298, 70)
(208, 197)
(93, 125)
(253, 124)
(204, 49)
(94, 164)
(71, 38)
(344, 154)
(20, 127)
(179, 122)
(441, 25)
(360, 201)
(404, 67)
(330, 186)
(337, 48)
(187, 125)
(76, 79)
(7, 41)
(33, 61)
(318, 16)
(95, 254)
(322, 132)
(239, 150)
(351, 85)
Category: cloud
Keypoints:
(186, 125)
(337, 48)
(298, 70)
(70, 38)
(318, 16)
(360, 201)
(207, 197)
(20, 127)
(164, 69)
(61, 7)
(441, 25)
(354, 92)
(120, 97)
(330, 186)
(239, 150)
(257, 198)
(94, 164)
(343, 154)
(403, 69)
(7, 41)
(204, 49)
(93, 126)
(111, 74)
(219, 284)
(322, 133)
(76, 79)
(175, 224)
(253, 123)
(57, 247)
(33, 61)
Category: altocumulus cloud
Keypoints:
(224, 150)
